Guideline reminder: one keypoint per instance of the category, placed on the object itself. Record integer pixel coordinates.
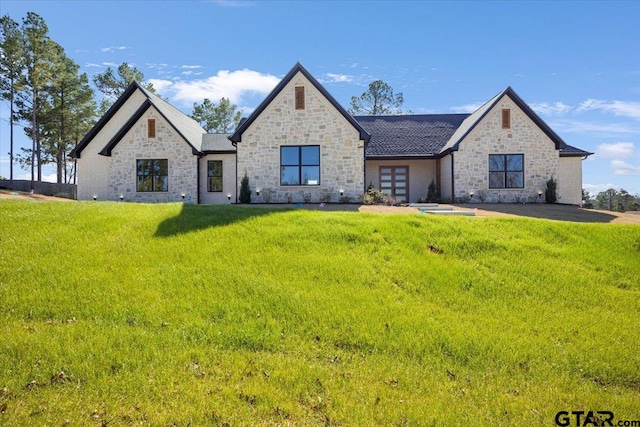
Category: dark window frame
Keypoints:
(211, 175)
(300, 165)
(154, 179)
(505, 172)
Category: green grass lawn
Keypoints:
(135, 314)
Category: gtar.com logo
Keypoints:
(591, 418)
(584, 418)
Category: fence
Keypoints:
(68, 191)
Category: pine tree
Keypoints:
(11, 67)
(245, 190)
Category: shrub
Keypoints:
(550, 194)
(245, 190)
(374, 196)
(482, 195)
(432, 193)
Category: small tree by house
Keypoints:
(245, 190)
(550, 193)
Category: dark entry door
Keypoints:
(394, 180)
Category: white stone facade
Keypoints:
(319, 123)
(168, 144)
(93, 169)
(471, 161)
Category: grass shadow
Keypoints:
(199, 217)
(545, 211)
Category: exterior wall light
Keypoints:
(182, 196)
(228, 196)
(539, 193)
(471, 194)
(95, 197)
(341, 192)
(258, 191)
(121, 197)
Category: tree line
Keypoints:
(54, 104)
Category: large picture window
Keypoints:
(506, 170)
(300, 165)
(153, 175)
(214, 176)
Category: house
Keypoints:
(300, 145)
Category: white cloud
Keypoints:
(588, 127)
(160, 85)
(113, 48)
(623, 168)
(191, 66)
(26, 175)
(594, 189)
(550, 108)
(93, 65)
(109, 64)
(618, 108)
(233, 85)
(337, 78)
(616, 150)
(155, 65)
(467, 108)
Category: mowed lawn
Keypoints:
(134, 314)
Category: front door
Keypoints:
(394, 181)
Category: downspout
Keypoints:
(235, 144)
(453, 179)
(198, 178)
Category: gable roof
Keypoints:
(188, 129)
(415, 136)
(298, 68)
(472, 121)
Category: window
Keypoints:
(506, 170)
(506, 118)
(153, 175)
(151, 128)
(299, 97)
(300, 165)
(214, 176)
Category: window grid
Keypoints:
(300, 165)
(214, 176)
(152, 175)
(506, 171)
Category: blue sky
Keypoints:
(576, 63)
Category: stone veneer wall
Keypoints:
(280, 124)
(93, 169)
(541, 159)
(166, 145)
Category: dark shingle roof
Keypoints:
(569, 151)
(421, 135)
